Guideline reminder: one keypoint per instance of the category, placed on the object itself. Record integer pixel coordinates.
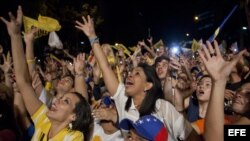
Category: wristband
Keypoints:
(30, 61)
(93, 40)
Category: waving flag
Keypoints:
(45, 24)
(217, 31)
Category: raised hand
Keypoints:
(79, 63)
(70, 67)
(174, 64)
(30, 35)
(217, 67)
(87, 27)
(14, 25)
(108, 113)
(142, 43)
(150, 40)
(6, 66)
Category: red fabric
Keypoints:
(162, 135)
(7, 135)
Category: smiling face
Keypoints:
(62, 109)
(204, 89)
(136, 82)
(241, 99)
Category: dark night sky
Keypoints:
(127, 21)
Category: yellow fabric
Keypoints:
(118, 74)
(158, 44)
(111, 60)
(96, 138)
(133, 48)
(121, 46)
(149, 61)
(54, 57)
(196, 45)
(28, 23)
(42, 127)
(48, 86)
(216, 33)
(49, 24)
(46, 24)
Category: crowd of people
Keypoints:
(108, 95)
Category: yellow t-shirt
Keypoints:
(42, 127)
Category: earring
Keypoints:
(70, 126)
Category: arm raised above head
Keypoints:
(109, 76)
(21, 69)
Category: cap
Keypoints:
(148, 127)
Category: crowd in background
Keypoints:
(152, 94)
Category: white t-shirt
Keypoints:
(177, 125)
(98, 134)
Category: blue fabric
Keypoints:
(29, 133)
(97, 92)
(193, 110)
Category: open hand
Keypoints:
(14, 25)
(217, 67)
(87, 27)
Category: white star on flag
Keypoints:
(140, 121)
(148, 119)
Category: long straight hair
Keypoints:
(148, 104)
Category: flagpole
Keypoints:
(211, 39)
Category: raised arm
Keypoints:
(151, 51)
(109, 76)
(21, 69)
(80, 85)
(29, 42)
(219, 70)
(30, 58)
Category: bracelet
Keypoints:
(93, 40)
(30, 61)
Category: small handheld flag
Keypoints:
(217, 31)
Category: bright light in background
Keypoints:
(196, 18)
(175, 50)
(82, 43)
(187, 34)
(244, 28)
(116, 44)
